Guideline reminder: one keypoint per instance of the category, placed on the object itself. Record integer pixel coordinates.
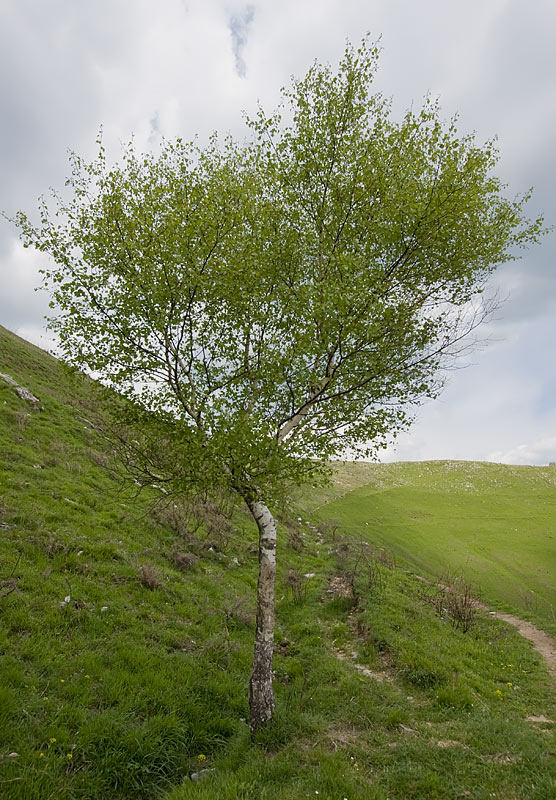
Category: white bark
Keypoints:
(292, 423)
(261, 695)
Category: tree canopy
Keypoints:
(268, 305)
(286, 298)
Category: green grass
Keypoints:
(493, 523)
(141, 677)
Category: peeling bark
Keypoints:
(261, 695)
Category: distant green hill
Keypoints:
(126, 631)
(493, 523)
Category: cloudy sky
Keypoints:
(181, 67)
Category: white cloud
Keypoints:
(542, 451)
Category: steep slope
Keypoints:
(493, 523)
(126, 628)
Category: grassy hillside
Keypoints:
(126, 629)
(495, 524)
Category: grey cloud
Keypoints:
(515, 98)
(48, 94)
(51, 56)
(154, 125)
(67, 67)
(239, 25)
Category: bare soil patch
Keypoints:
(379, 676)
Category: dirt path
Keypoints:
(541, 641)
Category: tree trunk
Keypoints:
(261, 695)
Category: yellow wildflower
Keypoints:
(69, 755)
(41, 755)
(202, 757)
(52, 740)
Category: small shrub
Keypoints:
(148, 577)
(329, 528)
(239, 612)
(360, 567)
(9, 583)
(21, 419)
(462, 606)
(220, 528)
(215, 520)
(454, 600)
(52, 546)
(295, 540)
(530, 600)
(177, 516)
(98, 458)
(342, 552)
(386, 558)
(185, 561)
(296, 583)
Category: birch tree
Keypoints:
(269, 305)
